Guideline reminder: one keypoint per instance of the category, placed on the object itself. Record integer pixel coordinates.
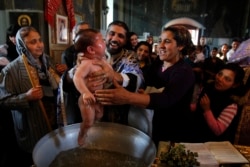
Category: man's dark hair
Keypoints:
(121, 24)
(215, 48)
(12, 30)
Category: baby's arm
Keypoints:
(82, 71)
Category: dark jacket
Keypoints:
(69, 57)
(218, 101)
(171, 107)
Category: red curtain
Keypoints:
(71, 13)
(51, 8)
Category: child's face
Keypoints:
(99, 46)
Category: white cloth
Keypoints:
(200, 57)
(230, 53)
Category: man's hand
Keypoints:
(107, 70)
(117, 96)
(61, 68)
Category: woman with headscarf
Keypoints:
(28, 87)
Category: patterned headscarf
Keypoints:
(22, 49)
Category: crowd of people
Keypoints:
(184, 93)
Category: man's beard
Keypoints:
(113, 51)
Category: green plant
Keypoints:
(178, 156)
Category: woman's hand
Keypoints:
(205, 103)
(35, 93)
(117, 96)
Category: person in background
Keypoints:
(217, 113)
(132, 41)
(125, 71)
(235, 44)
(7, 138)
(67, 101)
(212, 65)
(197, 87)
(27, 88)
(171, 105)
(8, 51)
(150, 40)
(154, 54)
(205, 47)
(199, 55)
(91, 43)
(223, 52)
(143, 51)
(69, 55)
(190, 57)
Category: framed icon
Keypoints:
(62, 29)
(24, 20)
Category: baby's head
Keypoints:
(90, 42)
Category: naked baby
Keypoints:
(89, 42)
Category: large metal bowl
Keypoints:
(105, 136)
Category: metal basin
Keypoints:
(105, 136)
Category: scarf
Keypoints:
(23, 50)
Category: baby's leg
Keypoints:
(98, 111)
(88, 117)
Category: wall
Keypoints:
(10, 10)
(222, 19)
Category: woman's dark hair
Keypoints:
(129, 45)
(144, 43)
(148, 60)
(240, 88)
(182, 37)
(239, 72)
(130, 34)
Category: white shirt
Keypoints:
(230, 53)
(200, 57)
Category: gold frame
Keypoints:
(24, 17)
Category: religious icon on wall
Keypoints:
(24, 20)
(62, 29)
